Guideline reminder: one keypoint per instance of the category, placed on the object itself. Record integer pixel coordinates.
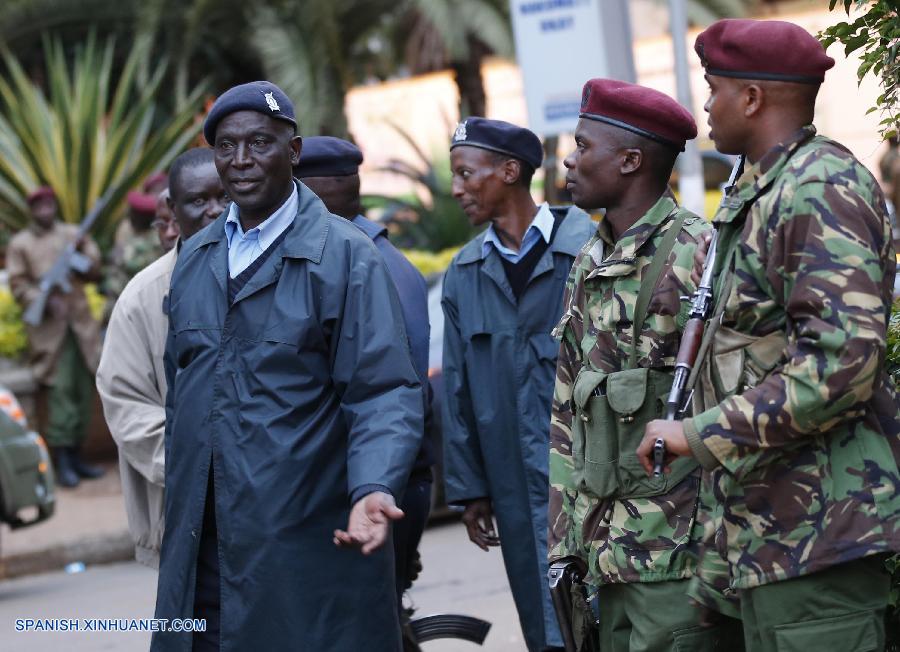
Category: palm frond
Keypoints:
(85, 136)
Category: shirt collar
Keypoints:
(542, 225)
(630, 242)
(757, 177)
(269, 229)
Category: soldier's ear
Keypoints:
(632, 158)
(753, 97)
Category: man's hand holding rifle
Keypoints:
(664, 439)
(56, 281)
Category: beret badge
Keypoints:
(272, 102)
(460, 133)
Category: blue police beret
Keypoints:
(260, 96)
(499, 136)
(327, 156)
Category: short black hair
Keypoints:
(526, 171)
(192, 158)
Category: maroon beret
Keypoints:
(638, 109)
(767, 50)
(142, 202)
(156, 179)
(42, 192)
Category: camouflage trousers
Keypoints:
(659, 617)
(67, 403)
(840, 608)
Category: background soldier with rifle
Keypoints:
(637, 536)
(794, 415)
(48, 265)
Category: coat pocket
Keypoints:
(594, 444)
(855, 631)
(740, 361)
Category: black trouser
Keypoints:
(408, 531)
(206, 595)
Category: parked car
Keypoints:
(27, 485)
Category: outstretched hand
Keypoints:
(370, 518)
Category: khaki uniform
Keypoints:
(64, 352)
(30, 255)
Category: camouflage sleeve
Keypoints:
(563, 492)
(826, 267)
(464, 476)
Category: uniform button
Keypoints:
(194, 533)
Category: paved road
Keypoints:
(458, 577)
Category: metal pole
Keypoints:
(690, 165)
(615, 28)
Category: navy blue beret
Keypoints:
(501, 137)
(260, 96)
(327, 156)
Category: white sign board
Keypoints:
(560, 44)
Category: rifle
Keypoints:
(701, 306)
(564, 575)
(70, 260)
(464, 628)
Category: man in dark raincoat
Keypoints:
(502, 297)
(294, 413)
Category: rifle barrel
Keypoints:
(689, 348)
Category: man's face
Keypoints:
(166, 227)
(340, 194)
(254, 156)
(43, 211)
(726, 114)
(478, 184)
(197, 199)
(592, 169)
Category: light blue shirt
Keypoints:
(541, 227)
(244, 248)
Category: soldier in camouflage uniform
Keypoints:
(795, 416)
(136, 243)
(639, 537)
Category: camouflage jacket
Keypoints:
(132, 252)
(632, 540)
(802, 434)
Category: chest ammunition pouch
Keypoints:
(611, 410)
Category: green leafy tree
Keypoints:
(86, 134)
(875, 34)
(432, 35)
(430, 219)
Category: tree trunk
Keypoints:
(467, 74)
